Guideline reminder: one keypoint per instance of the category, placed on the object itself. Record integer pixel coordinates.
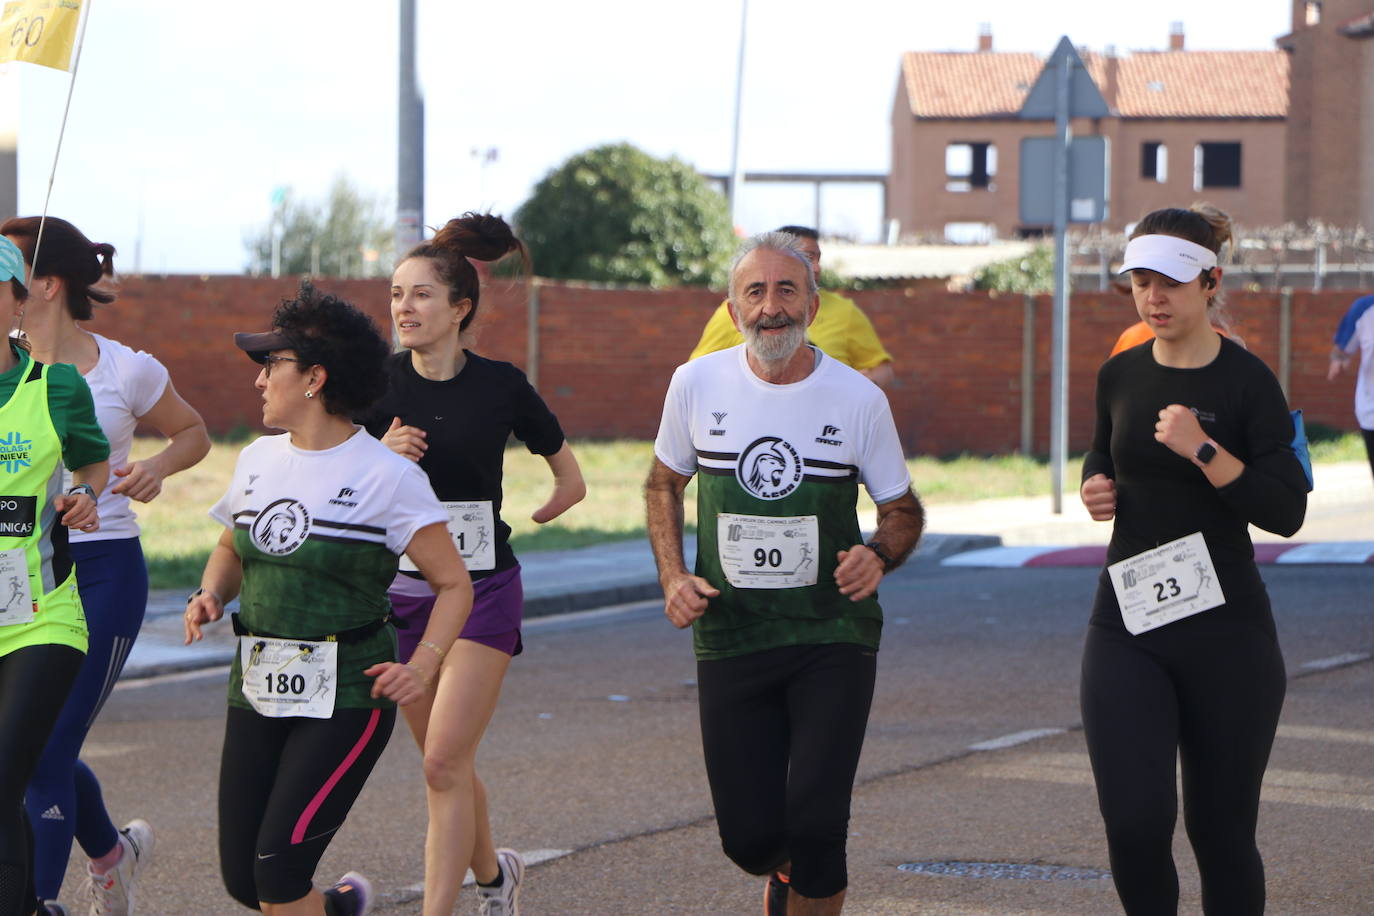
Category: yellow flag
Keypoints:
(40, 31)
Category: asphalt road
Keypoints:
(593, 761)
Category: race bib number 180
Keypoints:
(289, 677)
(1168, 583)
(759, 551)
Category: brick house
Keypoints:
(1184, 125)
(1330, 151)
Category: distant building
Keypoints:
(1184, 125)
(1330, 150)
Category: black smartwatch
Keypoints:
(1205, 453)
(82, 488)
(889, 564)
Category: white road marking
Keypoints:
(1002, 557)
(1336, 661)
(997, 744)
(1293, 787)
(1332, 735)
(1329, 552)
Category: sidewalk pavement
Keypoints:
(1341, 508)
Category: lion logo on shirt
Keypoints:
(281, 527)
(769, 468)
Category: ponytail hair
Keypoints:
(69, 256)
(479, 236)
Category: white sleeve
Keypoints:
(674, 446)
(145, 379)
(413, 506)
(223, 510)
(882, 468)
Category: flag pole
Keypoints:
(18, 333)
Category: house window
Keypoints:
(1313, 12)
(970, 166)
(1154, 161)
(970, 233)
(1216, 165)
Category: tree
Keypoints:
(1033, 273)
(349, 234)
(617, 214)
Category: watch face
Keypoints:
(1206, 452)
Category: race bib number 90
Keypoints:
(1168, 583)
(759, 551)
(289, 677)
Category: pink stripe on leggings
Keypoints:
(298, 833)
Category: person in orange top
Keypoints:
(1133, 336)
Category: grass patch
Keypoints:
(178, 533)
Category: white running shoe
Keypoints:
(357, 887)
(504, 900)
(112, 894)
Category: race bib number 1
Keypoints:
(289, 677)
(1168, 583)
(14, 588)
(759, 551)
(472, 526)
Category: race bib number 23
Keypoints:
(1168, 583)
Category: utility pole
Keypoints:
(410, 141)
(736, 167)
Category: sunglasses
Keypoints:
(267, 362)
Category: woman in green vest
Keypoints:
(47, 420)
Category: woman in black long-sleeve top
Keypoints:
(1192, 444)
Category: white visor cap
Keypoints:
(1176, 258)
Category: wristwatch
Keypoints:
(82, 488)
(889, 564)
(1205, 452)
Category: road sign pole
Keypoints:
(1059, 363)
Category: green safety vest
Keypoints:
(30, 480)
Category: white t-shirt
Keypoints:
(1356, 334)
(359, 491)
(836, 419)
(125, 384)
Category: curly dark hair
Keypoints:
(330, 332)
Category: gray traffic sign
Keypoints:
(1089, 180)
(1085, 99)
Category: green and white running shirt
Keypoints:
(779, 470)
(319, 534)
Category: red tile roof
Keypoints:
(1149, 84)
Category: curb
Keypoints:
(159, 651)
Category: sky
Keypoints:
(186, 116)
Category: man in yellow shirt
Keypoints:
(840, 330)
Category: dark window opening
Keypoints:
(1219, 166)
(1154, 161)
(970, 166)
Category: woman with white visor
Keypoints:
(1181, 661)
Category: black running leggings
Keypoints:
(1206, 691)
(34, 682)
(782, 730)
(1369, 445)
(285, 787)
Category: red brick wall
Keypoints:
(606, 354)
